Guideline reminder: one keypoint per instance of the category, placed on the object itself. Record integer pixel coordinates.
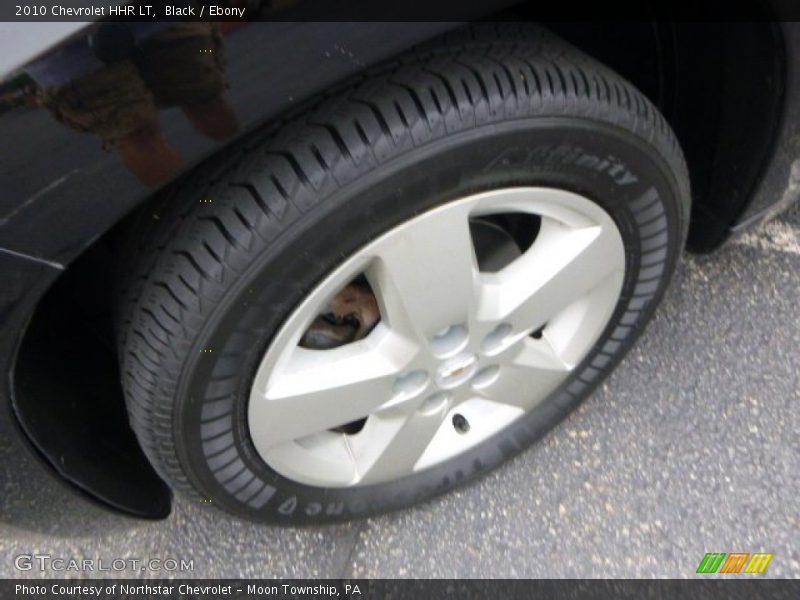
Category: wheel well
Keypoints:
(67, 393)
(720, 87)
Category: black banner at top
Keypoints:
(155, 11)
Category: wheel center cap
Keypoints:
(456, 371)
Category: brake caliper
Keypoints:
(349, 317)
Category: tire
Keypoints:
(482, 109)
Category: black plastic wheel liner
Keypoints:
(67, 401)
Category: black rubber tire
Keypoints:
(237, 250)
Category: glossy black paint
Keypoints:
(61, 191)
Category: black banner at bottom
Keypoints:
(363, 589)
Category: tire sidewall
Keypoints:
(610, 165)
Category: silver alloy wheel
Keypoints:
(452, 360)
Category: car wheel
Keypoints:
(404, 284)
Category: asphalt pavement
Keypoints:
(691, 446)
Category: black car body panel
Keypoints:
(52, 174)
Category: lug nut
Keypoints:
(449, 340)
(411, 383)
(485, 376)
(434, 403)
